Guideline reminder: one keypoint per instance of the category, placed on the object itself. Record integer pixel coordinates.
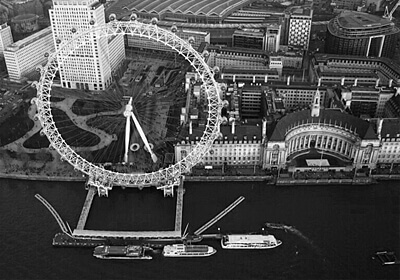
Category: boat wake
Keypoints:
(296, 232)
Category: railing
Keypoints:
(219, 216)
(53, 212)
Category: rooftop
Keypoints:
(327, 116)
(218, 8)
(300, 11)
(390, 128)
(325, 58)
(249, 131)
(29, 40)
(353, 19)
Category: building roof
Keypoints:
(300, 11)
(352, 24)
(327, 116)
(29, 40)
(353, 19)
(252, 70)
(323, 58)
(216, 8)
(249, 131)
(236, 50)
(390, 128)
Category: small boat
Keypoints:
(249, 241)
(183, 250)
(386, 258)
(278, 226)
(134, 252)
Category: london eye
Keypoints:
(123, 138)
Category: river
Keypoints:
(338, 229)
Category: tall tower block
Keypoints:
(89, 67)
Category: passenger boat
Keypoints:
(249, 241)
(183, 250)
(135, 252)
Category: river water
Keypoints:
(338, 229)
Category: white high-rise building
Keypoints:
(23, 56)
(90, 66)
(6, 38)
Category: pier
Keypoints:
(80, 232)
(179, 206)
(86, 208)
(219, 216)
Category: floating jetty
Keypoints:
(386, 257)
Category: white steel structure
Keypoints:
(89, 67)
(99, 177)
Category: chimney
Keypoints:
(342, 83)
(288, 80)
(377, 82)
(233, 127)
(190, 128)
(390, 82)
(355, 82)
(266, 79)
(319, 82)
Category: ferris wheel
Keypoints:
(97, 174)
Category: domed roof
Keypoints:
(361, 127)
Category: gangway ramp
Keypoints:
(86, 208)
(53, 212)
(219, 216)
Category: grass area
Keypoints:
(83, 107)
(72, 134)
(15, 127)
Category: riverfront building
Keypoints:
(23, 56)
(89, 67)
(389, 133)
(323, 139)
(239, 144)
(361, 34)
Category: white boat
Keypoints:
(249, 241)
(183, 250)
